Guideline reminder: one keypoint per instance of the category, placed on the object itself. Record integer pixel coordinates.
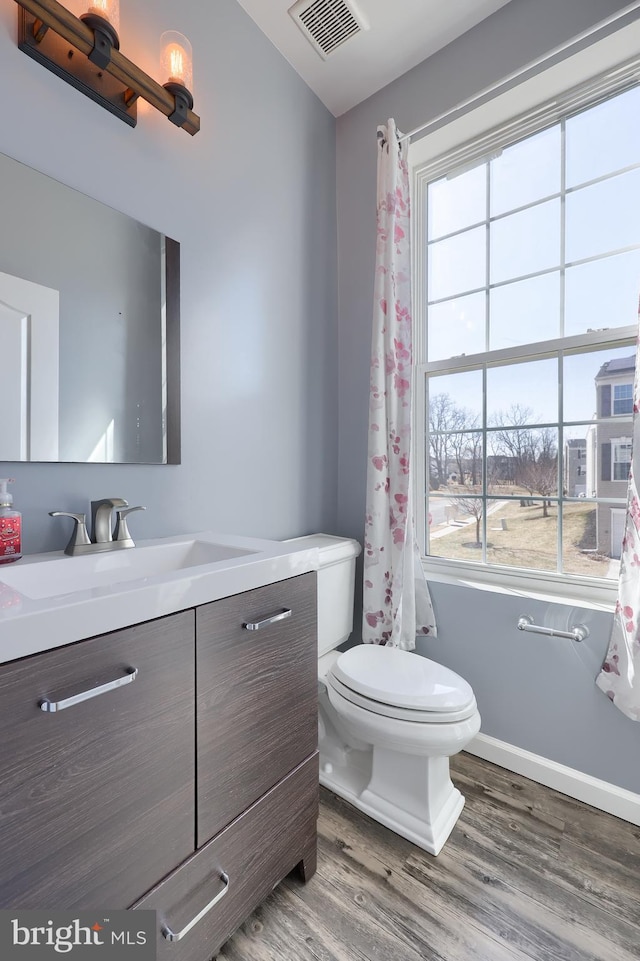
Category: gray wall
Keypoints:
(251, 199)
(534, 693)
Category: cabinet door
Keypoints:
(257, 714)
(97, 798)
(205, 900)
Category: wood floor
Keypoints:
(526, 874)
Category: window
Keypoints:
(621, 459)
(623, 399)
(528, 257)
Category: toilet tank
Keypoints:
(336, 583)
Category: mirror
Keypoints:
(89, 328)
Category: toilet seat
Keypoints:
(401, 684)
(401, 713)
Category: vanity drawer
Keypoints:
(96, 796)
(240, 866)
(257, 714)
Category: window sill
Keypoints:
(594, 594)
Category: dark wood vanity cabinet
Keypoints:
(194, 781)
(256, 710)
(83, 787)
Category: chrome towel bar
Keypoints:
(577, 633)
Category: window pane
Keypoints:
(623, 399)
(590, 381)
(458, 264)
(455, 401)
(457, 327)
(528, 171)
(524, 312)
(578, 479)
(607, 125)
(455, 462)
(602, 293)
(456, 529)
(592, 538)
(603, 217)
(526, 242)
(523, 394)
(523, 533)
(523, 461)
(457, 202)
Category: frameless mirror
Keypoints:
(89, 328)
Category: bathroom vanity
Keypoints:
(170, 762)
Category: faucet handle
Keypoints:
(79, 536)
(121, 532)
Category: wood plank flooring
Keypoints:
(526, 874)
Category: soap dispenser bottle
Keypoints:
(10, 525)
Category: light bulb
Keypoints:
(107, 9)
(176, 59)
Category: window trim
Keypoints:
(621, 413)
(616, 444)
(572, 96)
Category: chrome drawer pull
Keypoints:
(173, 936)
(51, 706)
(272, 619)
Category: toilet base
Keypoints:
(412, 796)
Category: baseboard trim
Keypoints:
(599, 794)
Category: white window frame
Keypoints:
(616, 444)
(589, 76)
(621, 413)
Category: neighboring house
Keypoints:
(609, 449)
(575, 467)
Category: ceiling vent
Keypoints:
(327, 24)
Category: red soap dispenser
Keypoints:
(10, 526)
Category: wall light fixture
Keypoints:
(85, 51)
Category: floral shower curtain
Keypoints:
(396, 603)
(620, 674)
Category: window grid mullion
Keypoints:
(563, 275)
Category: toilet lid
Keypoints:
(402, 678)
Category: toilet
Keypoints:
(389, 720)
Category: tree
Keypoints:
(539, 472)
(453, 437)
(533, 451)
(472, 507)
(444, 417)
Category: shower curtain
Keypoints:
(620, 674)
(396, 601)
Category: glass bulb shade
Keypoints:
(176, 59)
(108, 10)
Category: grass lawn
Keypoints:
(530, 539)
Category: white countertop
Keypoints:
(47, 600)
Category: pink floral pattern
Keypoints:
(620, 674)
(397, 605)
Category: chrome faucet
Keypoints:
(101, 518)
(103, 537)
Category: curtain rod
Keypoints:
(598, 32)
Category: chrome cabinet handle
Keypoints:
(271, 619)
(51, 707)
(179, 935)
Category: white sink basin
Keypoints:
(66, 575)
(47, 600)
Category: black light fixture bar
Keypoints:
(63, 43)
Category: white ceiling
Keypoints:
(402, 33)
